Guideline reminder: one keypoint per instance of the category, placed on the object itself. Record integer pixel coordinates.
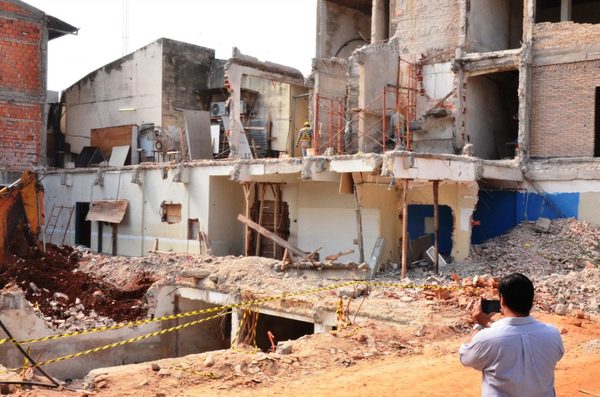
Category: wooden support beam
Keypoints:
(436, 226)
(268, 234)
(404, 229)
(359, 231)
(114, 238)
(261, 206)
(247, 191)
(277, 194)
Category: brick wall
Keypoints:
(22, 88)
(564, 34)
(563, 108)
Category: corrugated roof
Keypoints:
(111, 211)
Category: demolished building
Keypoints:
(460, 123)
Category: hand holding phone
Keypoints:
(490, 306)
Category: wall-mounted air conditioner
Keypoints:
(218, 109)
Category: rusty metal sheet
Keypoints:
(111, 211)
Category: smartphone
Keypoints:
(490, 306)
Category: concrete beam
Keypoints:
(490, 62)
(502, 172)
(566, 10)
(577, 53)
(441, 167)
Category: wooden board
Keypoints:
(199, 139)
(107, 138)
(294, 250)
(376, 256)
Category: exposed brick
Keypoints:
(21, 123)
(563, 109)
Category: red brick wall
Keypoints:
(563, 108)
(22, 90)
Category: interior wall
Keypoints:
(494, 25)
(300, 114)
(340, 30)
(328, 219)
(462, 199)
(386, 201)
(225, 232)
(491, 114)
(377, 67)
(274, 103)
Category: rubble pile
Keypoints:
(568, 245)
(69, 298)
(568, 294)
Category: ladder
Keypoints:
(53, 221)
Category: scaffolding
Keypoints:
(333, 118)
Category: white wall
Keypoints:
(327, 219)
(133, 82)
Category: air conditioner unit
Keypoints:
(219, 109)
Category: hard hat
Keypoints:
(306, 124)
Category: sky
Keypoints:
(281, 31)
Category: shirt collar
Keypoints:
(515, 320)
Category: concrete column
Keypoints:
(379, 21)
(322, 328)
(235, 323)
(566, 8)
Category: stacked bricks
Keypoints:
(564, 34)
(563, 109)
(22, 89)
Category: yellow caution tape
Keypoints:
(233, 306)
(224, 310)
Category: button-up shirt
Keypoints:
(517, 356)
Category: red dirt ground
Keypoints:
(57, 271)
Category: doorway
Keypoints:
(83, 228)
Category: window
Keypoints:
(170, 212)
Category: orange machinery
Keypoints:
(21, 215)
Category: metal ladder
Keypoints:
(53, 222)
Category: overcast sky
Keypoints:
(281, 31)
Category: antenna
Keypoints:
(125, 27)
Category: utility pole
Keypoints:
(125, 27)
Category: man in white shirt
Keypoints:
(517, 354)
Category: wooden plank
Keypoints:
(376, 256)
(247, 191)
(291, 249)
(261, 201)
(336, 256)
(359, 231)
(107, 138)
(404, 228)
(436, 226)
(346, 183)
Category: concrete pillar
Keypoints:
(379, 21)
(322, 328)
(566, 8)
(235, 324)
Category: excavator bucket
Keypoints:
(21, 216)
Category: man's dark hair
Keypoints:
(517, 292)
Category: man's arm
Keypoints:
(476, 353)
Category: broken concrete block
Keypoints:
(284, 348)
(542, 225)
(560, 309)
(195, 273)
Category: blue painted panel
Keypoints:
(499, 211)
(416, 224)
(531, 206)
(496, 211)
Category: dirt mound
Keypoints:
(53, 281)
